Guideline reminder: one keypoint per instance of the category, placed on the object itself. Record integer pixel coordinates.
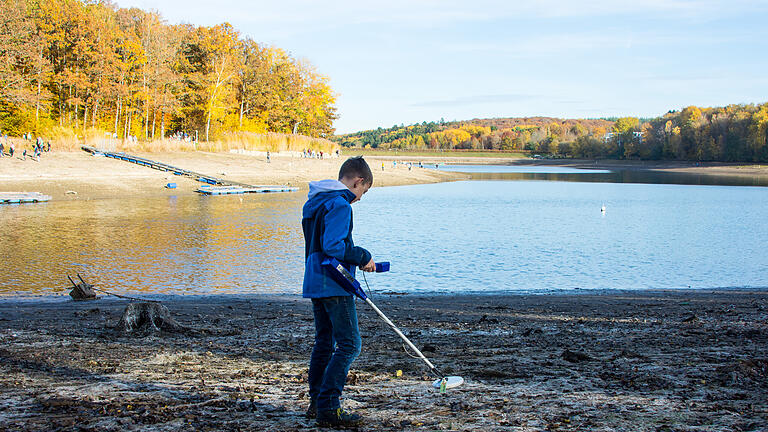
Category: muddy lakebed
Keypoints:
(683, 360)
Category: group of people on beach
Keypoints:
(312, 154)
(38, 147)
(319, 154)
(182, 136)
(408, 165)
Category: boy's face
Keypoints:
(357, 186)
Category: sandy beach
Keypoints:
(88, 177)
(619, 361)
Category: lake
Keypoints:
(503, 231)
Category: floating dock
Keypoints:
(213, 185)
(22, 197)
(232, 190)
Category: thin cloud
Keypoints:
(475, 100)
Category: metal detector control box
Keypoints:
(340, 274)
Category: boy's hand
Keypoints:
(370, 267)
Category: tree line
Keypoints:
(506, 134)
(91, 67)
(735, 133)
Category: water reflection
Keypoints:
(192, 244)
(449, 237)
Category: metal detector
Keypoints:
(341, 275)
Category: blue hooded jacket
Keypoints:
(327, 224)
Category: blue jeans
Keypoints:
(337, 345)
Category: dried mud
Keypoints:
(630, 361)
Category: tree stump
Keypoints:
(146, 318)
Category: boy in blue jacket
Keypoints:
(327, 225)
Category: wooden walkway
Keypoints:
(231, 187)
(22, 197)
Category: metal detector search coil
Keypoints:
(340, 274)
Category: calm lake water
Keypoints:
(499, 233)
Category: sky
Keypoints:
(407, 61)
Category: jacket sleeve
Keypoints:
(335, 242)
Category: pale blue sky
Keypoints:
(408, 61)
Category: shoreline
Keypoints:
(712, 168)
(78, 175)
(631, 361)
(67, 176)
(62, 295)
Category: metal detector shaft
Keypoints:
(399, 333)
(341, 275)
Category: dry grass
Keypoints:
(65, 139)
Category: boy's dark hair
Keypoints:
(356, 166)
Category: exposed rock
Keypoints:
(575, 356)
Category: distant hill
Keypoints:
(734, 133)
(511, 122)
(519, 133)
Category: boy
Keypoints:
(327, 225)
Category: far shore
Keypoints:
(78, 175)
(714, 168)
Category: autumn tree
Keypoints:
(23, 67)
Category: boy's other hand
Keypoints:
(370, 267)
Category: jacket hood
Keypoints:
(321, 191)
(316, 187)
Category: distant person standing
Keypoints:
(2, 150)
(11, 149)
(268, 160)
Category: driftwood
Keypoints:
(82, 290)
(144, 318)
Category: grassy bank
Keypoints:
(63, 139)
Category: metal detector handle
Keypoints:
(343, 277)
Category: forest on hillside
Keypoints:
(79, 67)
(735, 133)
(490, 134)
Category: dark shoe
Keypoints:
(338, 418)
(312, 410)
